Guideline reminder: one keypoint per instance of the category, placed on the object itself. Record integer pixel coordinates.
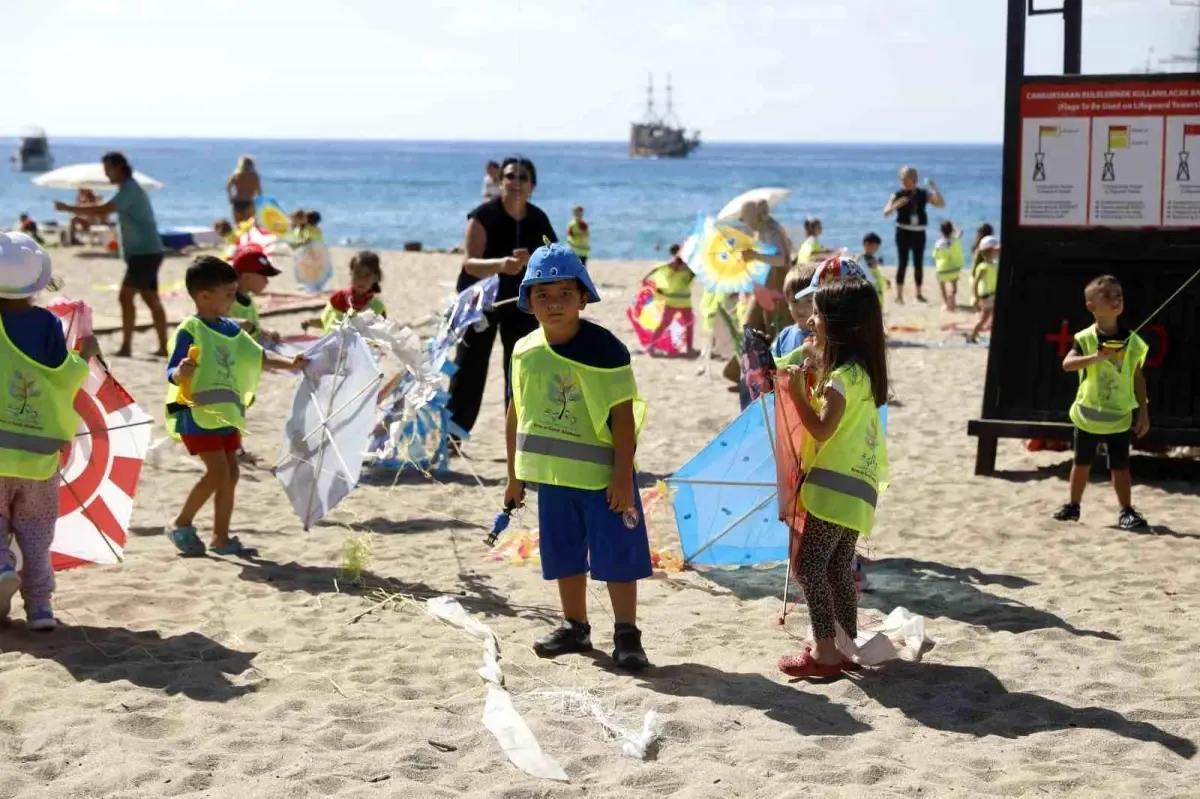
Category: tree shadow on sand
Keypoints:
(806, 713)
(473, 591)
(935, 590)
(972, 701)
(190, 664)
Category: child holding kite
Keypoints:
(42, 379)
(212, 373)
(572, 426)
(845, 476)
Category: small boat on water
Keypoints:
(660, 137)
(33, 153)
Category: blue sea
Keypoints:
(384, 193)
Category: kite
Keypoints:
(646, 314)
(314, 264)
(270, 218)
(714, 251)
(333, 414)
(100, 469)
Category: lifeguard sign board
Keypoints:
(1101, 176)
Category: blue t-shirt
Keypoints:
(37, 333)
(789, 340)
(184, 423)
(594, 346)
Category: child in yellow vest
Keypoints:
(672, 283)
(207, 396)
(1109, 360)
(572, 426)
(254, 270)
(984, 277)
(949, 262)
(41, 379)
(363, 294)
(579, 236)
(848, 470)
(811, 248)
(870, 260)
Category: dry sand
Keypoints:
(1064, 664)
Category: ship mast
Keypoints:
(651, 117)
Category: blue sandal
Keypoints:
(235, 547)
(187, 542)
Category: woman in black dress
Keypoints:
(501, 234)
(909, 205)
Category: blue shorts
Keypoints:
(577, 531)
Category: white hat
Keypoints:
(24, 266)
(989, 243)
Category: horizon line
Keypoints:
(718, 142)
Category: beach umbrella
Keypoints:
(714, 252)
(733, 208)
(331, 421)
(100, 470)
(87, 176)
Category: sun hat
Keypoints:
(250, 258)
(839, 267)
(24, 266)
(989, 243)
(552, 263)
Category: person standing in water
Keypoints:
(243, 187)
(910, 205)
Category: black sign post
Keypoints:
(1097, 180)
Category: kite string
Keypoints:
(1159, 309)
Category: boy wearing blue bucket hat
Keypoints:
(572, 426)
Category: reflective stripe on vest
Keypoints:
(215, 396)
(843, 484)
(37, 445)
(534, 444)
(1102, 416)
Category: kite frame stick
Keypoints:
(734, 483)
(732, 525)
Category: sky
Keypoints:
(531, 70)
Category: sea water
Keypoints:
(383, 194)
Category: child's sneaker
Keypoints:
(627, 648)
(1130, 519)
(570, 637)
(1068, 513)
(41, 619)
(9, 583)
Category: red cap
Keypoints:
(250, 258)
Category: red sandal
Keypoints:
(805, 665)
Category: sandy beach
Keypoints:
(1064, 662)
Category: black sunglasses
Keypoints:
(523, 176)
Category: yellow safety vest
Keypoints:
(949, 260)
(331, 316)
(673, 286)
(990, 274)
(844, 479)
(225, 380)
(807, 248)
(1105, 399)
(37, 415)
(563, 409)
(248, 313)
(578, 239)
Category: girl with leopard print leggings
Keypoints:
(848, 471)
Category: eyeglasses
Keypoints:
(522, 177)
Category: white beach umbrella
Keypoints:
(733, 208)
(87, 176)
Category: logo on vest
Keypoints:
(563, 394)
(868, 463)
(1108, 382)
(224, 360)
(22, 390)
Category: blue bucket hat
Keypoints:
(552, 263)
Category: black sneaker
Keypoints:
(1068, 513)
(627, 648)
(570, 637)
(1130, 519)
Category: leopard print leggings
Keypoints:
(824, 568)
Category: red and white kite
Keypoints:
(100, 468)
